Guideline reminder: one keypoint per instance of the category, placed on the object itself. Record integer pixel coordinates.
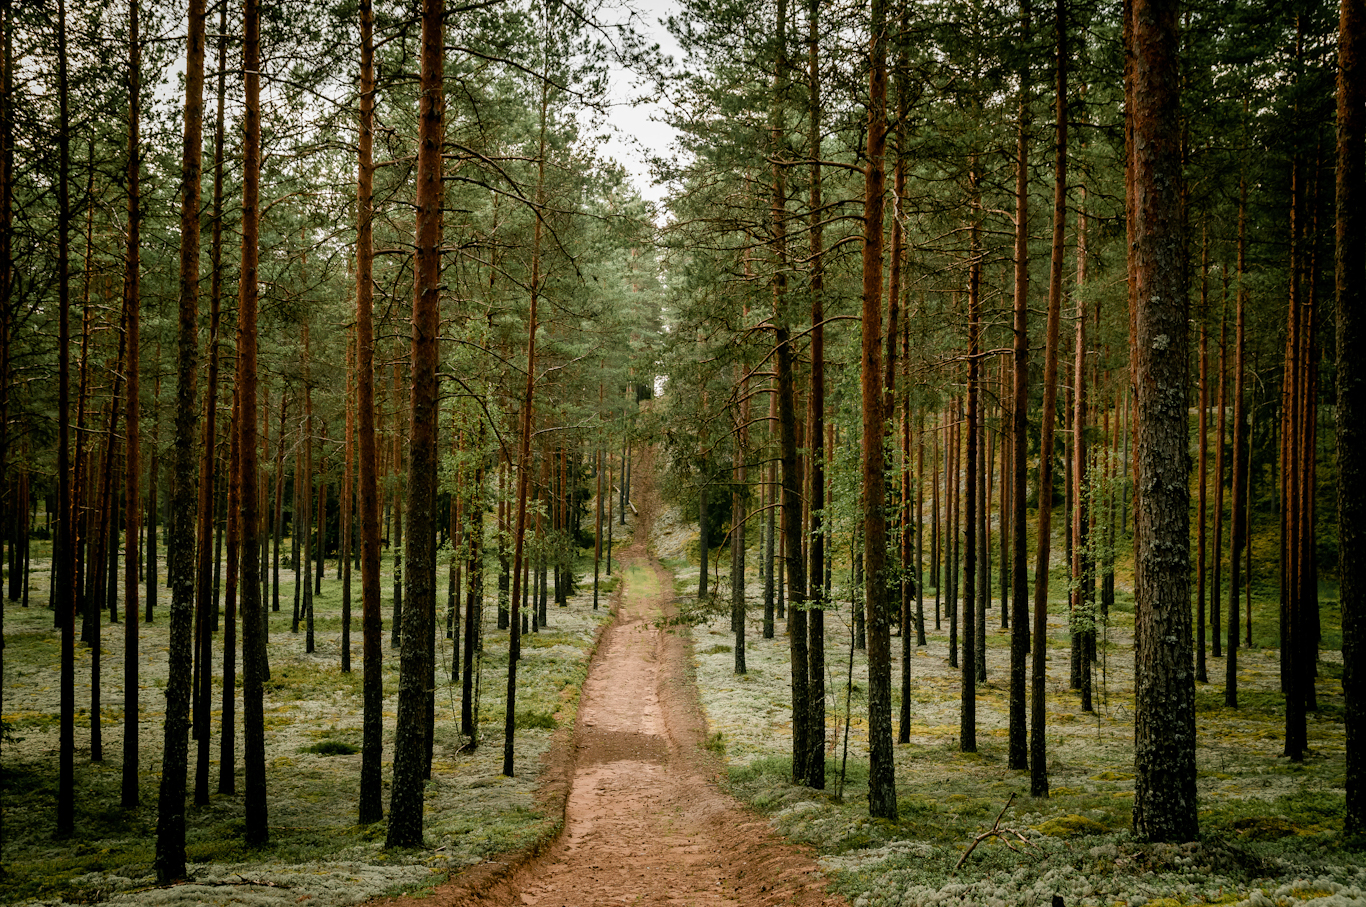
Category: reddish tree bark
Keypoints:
(405, 804)
(1164, 720)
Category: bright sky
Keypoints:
(641, 132)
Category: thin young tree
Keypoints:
(524, 464)
(64, 574)
(132, 425)
(1038, 748)
(1164, 678)
(785, 382)
(1019, 609)
(967, 714)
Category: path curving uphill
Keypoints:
(645, 822)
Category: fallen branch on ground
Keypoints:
(996, 831)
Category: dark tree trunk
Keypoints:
(1242, 454)
(153, 487)
(257, 830)
(132, 465)
(370, 807)
(1216, 584)
(524, 449)
(405, 804)
(1038, 755)
(770, 526)
(347, 504)
(64, 573)
(967, 715)
(815, 624)
(279, 522)
(881, 771)
(170, 847)
(227, 750)
(1202, 482)
(1351, 414)
(1164, 682)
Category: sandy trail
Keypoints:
(645, 823)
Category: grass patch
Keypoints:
(331, 748)
(542, 720)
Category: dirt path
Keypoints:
(645, 822)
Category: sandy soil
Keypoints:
(644, 820)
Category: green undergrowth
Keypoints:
(318, 852)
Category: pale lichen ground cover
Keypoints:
(1271, 829)
(318, 852)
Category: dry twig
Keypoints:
(996, 831)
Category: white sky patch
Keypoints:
(639, 128)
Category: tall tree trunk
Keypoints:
(1241, 456)
(881, 771)
(253, 642)
(1202, 483)
(1164, 682)
(524, 444)
(206, 592)
(153, 487)
(815, 619)
(170, 847)
(1018, 757)
(1350, 273)
(770, 524)
(967, 714)
(405, 804)
(1083, 579)
(279, 523)
(305, 519)
(132, 424)
(227, 749)
(1038, 755)
(787, 415)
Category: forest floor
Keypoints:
(645, 822)
(318, 853)
(1271, 829)
(628, 775)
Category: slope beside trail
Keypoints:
(645, 823)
